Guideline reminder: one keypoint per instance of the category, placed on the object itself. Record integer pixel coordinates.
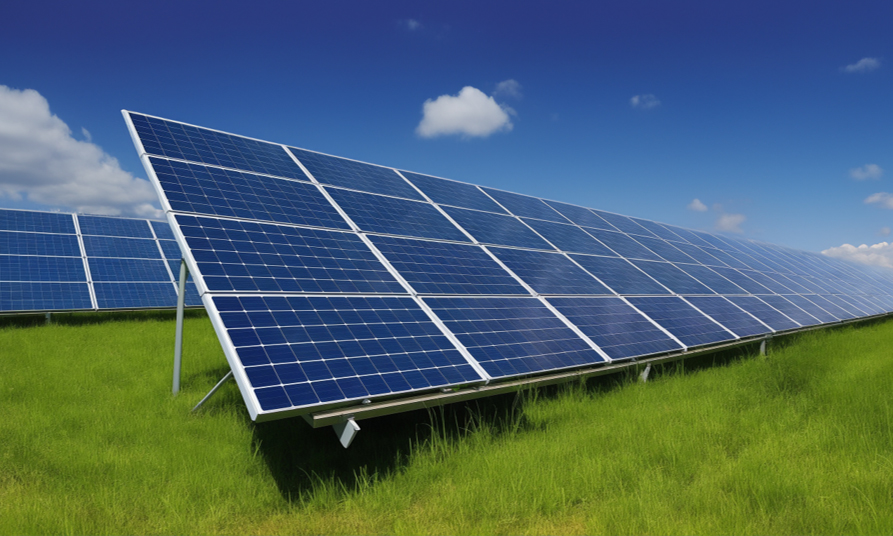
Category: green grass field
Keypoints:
(91, 442)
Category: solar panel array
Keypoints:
(52, 261)
(331, 281)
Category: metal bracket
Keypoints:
(643, 377)
(346, 431)
(178, 339)
(213, 390)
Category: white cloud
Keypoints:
(862, 66)
(644, 102)
(508, 88)
(697, 206)
(411, 24)
(730, 223)
(884, 199)
(470, 113)
(880, 254)
(40, 161)
(884, 231)
(868, 171)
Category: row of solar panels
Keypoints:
(52, 261)
(334, 281)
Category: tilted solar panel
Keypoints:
(332, 282)
(67, 262)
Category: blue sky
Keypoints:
(776, 116)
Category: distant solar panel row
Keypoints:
(333, 281)
(63, 262)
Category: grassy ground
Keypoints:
(92, 442)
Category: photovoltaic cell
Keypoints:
(246, 256)
(682, 320)
(729, 315)
(525, 206)
(446, 268)
(38, 296)
(134, 295)
(673, 278)
(618, 329)
(355, 175)
(61, 245)
(793, 312)
(136, 248)
(219, 192)
(36, 222)
(549, 273)
(389, 215)
(811, 308)
(495, 229)
(665, 250)
(714, 281)
(457, 194)
(15, 268)
(764, 312)
(185, 142)
(127, 270)
(620, 275)
(300, 351)
(624, 224)
(122, 227)
(581, 216)
(568, 238)
(162, 230)
(623, 245)
(513, 336)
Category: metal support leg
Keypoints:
(178, 340)
(213, 390)
(49, 318)
(643, 377)
(764, 347)
(346, 431)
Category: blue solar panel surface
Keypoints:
(121, 266)
(315, 310)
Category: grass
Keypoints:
(91, 441)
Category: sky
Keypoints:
(765, 120)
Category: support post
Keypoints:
(213, 390)
(764, 347)
(49, 318)
(178, 339)
(643, 377)
(346, 431)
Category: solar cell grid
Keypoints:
(773, 318)
(581, 216)
(568, 237)
(624, 224)
(790, 310)
(26, 268)
(457, 194)
(389, 215)
(685, 322)
(300, 351)
(549, 273)
(525, 206)
(206, 190)
(446, 268)
(620, 275)
(513, 336)
(672, 277)
(107, 246)
(495, 229)
(355, 175)
(618, 329)
(242, 256)
(121, 227)
(42, 296)
(36, 222)
(729, 315)
(176, 140)
(17, 243)
(711, 279)
(623, 245)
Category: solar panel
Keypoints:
(61, 262)
(331, 282)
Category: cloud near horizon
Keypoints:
(882, 199)
(41, 162)
(470, 113)
(880, 254)
(730, 223)
(862, 66)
